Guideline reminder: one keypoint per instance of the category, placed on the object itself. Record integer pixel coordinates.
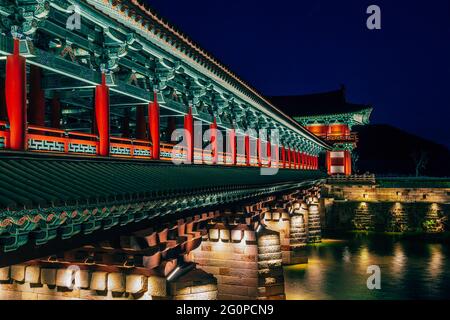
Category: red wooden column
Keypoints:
(102, 116)
(154, 124)
(213, 140)
(299, 157)
(328, 161)
(55, 112)
(259, 152)
(141, 126)
(350, 169)
(37, 97)
(347, 163)
(269, 153)
(283, 157)
(16, 97)
(232, 146)
(294, 160)
(247, 150)
(289, 155)
(301, 160)
(189, 129)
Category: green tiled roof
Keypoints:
(63, 196)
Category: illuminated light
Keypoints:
(365, 196)
(174, 272)
(237, 235)
(363, 204)
(399, 193)
(436, 263)
(224, 235)
(364, 257)
(346, 255)
(398, 205)
(213, 234)
(434, 207)
(399, 261)
(285, 216)
(276, 216)
(268, 216)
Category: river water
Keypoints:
(337, 269)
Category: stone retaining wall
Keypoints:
(33, 282)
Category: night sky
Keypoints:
(296, 47)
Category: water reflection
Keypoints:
(338, 270)
(436, 262)
(346, 255)
(399, 261)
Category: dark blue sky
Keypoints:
(298, 46)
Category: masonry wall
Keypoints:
(374, 193)
(248, 270)
(293, 238)
(33, 282)
(386, 209)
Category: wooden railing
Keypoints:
(52, 140)
(352, 137)
(366, 178)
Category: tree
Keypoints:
(420, 158)
(355, 158)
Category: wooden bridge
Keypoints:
(131, 159)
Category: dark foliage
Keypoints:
(387, 150)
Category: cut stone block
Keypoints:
(157, 286)
(82, 279)
(48, 276)
(4, 274)
(116, 282)
(32, 274)
(65, 278)
(136, 283)
(99, 281)
(18, 273)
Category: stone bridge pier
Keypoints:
(235, 253)
(297, 219)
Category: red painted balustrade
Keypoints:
(51, 140)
